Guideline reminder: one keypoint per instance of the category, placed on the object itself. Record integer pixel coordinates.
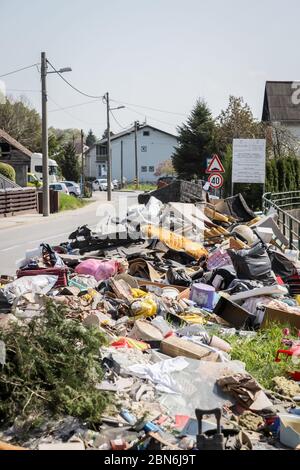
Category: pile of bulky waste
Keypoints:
(126, 336)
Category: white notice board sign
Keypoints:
(249, 161)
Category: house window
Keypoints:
(101, 150)
(38, 169)
(146, 133)
(102, 170)
(144, 169)
(151, 169)
(144, 148)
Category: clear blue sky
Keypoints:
(159, 53)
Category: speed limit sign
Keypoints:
(216, 180)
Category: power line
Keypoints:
(151, 117)
(73, 106)
(72, 86)
(115, 119)
(73, 117)
(151, 109)
(19, 70)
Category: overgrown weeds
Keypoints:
(259, 352)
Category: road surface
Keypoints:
(30, 233)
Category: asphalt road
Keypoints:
(29, 234)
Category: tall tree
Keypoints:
(69, 163)
(165, 168)
(237, 122)
(22, 122)
(91, 139)
(196, 143)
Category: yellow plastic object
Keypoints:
(90, 295)
(138, 293)
(194, 319)
(144, 308)
(175, 241)
(297, 298)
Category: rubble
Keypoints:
(133, 328)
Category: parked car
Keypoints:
(60, 187)
(164, 181)
(116, 184)
(101, 185)
(73, 188)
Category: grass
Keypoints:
(259, 353)
(68, 202)
(142, 187)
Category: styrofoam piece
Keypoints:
(262, 291)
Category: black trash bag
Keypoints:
(281, 265)
(221, 278)
(178, 277)
(253, 264)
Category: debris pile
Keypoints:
(125, 336)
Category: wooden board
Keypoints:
(175, 347)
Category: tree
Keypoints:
(69, 163)
(165, 168)
(91, 139)
(237, 122)
(196, 143)
(104, 135)
(22, 122)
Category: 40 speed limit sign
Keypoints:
(216, 180)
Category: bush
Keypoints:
(8, 171)
(52, 365)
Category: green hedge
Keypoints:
(7, 171)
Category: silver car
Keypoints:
(73, 188)
(101, 185)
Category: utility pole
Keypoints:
(136, 123)
(108, 149)
(82, 165)
(46, 207)
(122, 169)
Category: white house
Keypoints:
(153, 147)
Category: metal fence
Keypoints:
(283, 203)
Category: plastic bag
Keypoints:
(178, 277)
(253, 264)
(101, 270)
(29, 284)
(145, 307)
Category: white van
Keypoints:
(36, 167)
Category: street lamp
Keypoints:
(44, 73)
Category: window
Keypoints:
(146, 133)
(144, 148)
(38, 169)
(151, 169)
(144, 169)
(101, 150)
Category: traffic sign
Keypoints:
(216, 180)
(215, 166)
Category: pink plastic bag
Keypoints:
(101, 270)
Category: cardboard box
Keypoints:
(280, 316)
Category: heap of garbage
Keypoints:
(124, 336)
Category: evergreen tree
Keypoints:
(196, 143)
(69, 164)
(91, 139)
